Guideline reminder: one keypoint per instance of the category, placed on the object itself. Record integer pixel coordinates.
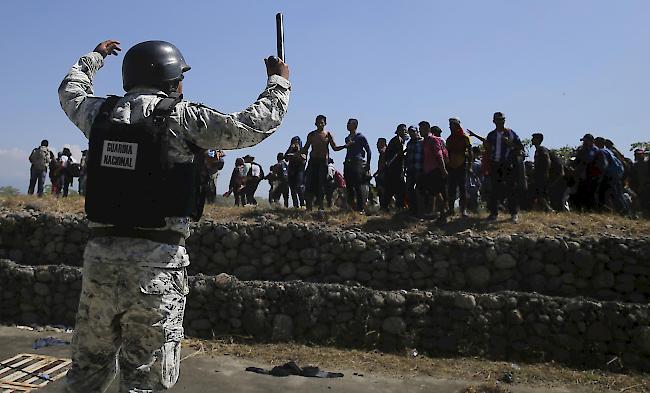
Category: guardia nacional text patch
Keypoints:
(119, 155)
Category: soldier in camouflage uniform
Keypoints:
(131, 309)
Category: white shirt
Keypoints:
(498, 146)
(255, 170)
(65, 160)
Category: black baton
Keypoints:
(279, 31)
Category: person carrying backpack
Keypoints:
(69, 169)
(40, 159)
(253, 178)
(279, 180)
(610, 187)
(55, 174)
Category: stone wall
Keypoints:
(604, 268)
(504, 325)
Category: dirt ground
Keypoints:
(478, 371)
(534, 223)
(222, 362)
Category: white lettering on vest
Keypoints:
(121, 155)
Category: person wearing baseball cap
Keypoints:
(587, 138)
(504, 151)
(587, 173)
(254, 176)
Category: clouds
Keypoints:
(14, 168)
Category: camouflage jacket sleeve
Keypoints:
(76, 92)
(209, 128)
(199, 124)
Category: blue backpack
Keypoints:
(615, 167)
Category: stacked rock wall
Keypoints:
(503, 325)
(604, 268)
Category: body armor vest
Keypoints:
(130, 182)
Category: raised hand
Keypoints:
(275, 66)
(108, 47)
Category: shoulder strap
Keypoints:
(164, 108)
(107, 108)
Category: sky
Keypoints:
(558, 67)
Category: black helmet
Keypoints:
(152, 63)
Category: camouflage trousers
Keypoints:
(130, 316)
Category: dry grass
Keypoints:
(486, 388)
(74, 204)
(484, 373)
(537, 223)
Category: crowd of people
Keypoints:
(427, 175)
(418, 171)
(62, 170)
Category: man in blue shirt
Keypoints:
(504, 148)
(355, 166)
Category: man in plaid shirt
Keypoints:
(413, 162)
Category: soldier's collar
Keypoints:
(146, 90)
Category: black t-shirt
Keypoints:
(395, 154)
(542, 158)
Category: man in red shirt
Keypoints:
(434, 170)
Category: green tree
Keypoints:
(9, 191)
(528, 144)
(640, 145)
(564, 153)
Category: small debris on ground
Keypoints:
(291, 368)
